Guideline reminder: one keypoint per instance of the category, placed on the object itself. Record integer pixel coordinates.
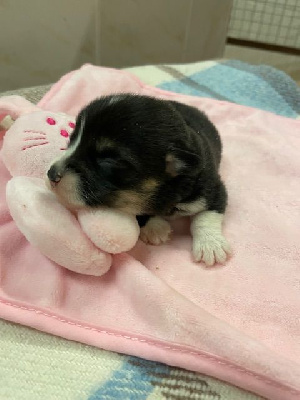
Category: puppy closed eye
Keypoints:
(107, 165)
(115, 169)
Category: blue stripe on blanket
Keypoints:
(261, 87)
(134, 380)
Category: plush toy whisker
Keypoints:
(33, 131)
(34, 145)
(34, 138)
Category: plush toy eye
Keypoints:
(71, 125)
(51, 121)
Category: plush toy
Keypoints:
(84, 242)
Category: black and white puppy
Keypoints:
(151, 158)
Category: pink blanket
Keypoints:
(239, 323)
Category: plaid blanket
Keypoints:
(258, 86)
(34, 365)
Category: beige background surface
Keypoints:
(40, 40)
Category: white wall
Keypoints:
(42, 39)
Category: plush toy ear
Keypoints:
(11, 107)
(181, 162)
(6, 123)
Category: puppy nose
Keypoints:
(53, 175)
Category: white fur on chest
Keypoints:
(185, 209)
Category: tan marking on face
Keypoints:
(131, 201)
(66, 192)
(137, 201)
(149, 185)
(104, 143)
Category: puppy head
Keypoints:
(121, 154)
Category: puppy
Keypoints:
(151, 158)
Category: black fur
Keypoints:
(130, 140)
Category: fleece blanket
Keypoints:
(55, 366)
(156, 303)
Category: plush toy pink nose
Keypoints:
(54, 176)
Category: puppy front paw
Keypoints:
(211, 249)
(156, 231)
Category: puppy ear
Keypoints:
(181, 162)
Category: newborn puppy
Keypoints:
(151, 158)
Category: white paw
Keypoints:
(156, 231)
(211, 248)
